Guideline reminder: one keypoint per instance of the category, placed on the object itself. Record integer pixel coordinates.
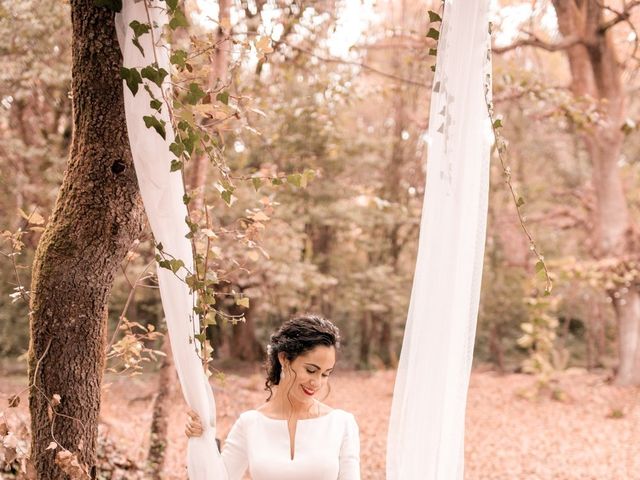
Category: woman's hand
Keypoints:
(194, 426)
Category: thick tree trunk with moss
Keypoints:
(596, 73)
(98, 213)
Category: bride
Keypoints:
(294, 436)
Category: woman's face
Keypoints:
(308, 373)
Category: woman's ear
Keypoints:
(282, 358)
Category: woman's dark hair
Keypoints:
(296, 337)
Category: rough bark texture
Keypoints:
(596, 73)
(97, 215)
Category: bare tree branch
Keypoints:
(536, 42)
(364, 66)
(622, 16)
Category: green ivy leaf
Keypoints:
(178, 20)
(172, 4)
(177, 148)
(175, 265)
(433, 33)
(433, 52)
(157, 125)
(257, 183)
(520, 202)
(139, 29)
(195, 94)
(190, 141)
(223, 97)
(176, 165)
(156, 75)
(497, 123)
(179, 58)
(132, 77)
(539, 266)
(155, 104)
(434, 17)
(226, 196)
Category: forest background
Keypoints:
(312, 198)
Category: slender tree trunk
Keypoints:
(596, 73)
(217, 77)
(244, 344)
(161, 409)
(97, 215)
(495, 347)
(365, 339)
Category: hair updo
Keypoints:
(294, 338)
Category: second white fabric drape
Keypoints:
(426, 430)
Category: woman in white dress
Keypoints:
(294, 436)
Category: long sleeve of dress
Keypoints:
(350, 452)
(235, 451)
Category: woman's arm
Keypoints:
(234, 453)
(350, 451)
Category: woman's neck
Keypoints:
(288, 407)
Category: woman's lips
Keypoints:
(307, 391)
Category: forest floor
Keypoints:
(591, 430)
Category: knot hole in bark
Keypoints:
(118, 167)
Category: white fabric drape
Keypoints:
(426, 431)
(162, 193)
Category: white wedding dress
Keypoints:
(326, 448)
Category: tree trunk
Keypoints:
(96, 217)
(217, 77)
(365, 339)
(161, 409)
(244, 344)
(596, 73)
(495, 346)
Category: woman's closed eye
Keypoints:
(311, 371)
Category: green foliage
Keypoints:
(194, 94)
(155, 74)
(157, 124)
(139, 29)
(132, 77)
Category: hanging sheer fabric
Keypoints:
(162, 192)
(426, 430)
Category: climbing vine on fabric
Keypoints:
(199, 112)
